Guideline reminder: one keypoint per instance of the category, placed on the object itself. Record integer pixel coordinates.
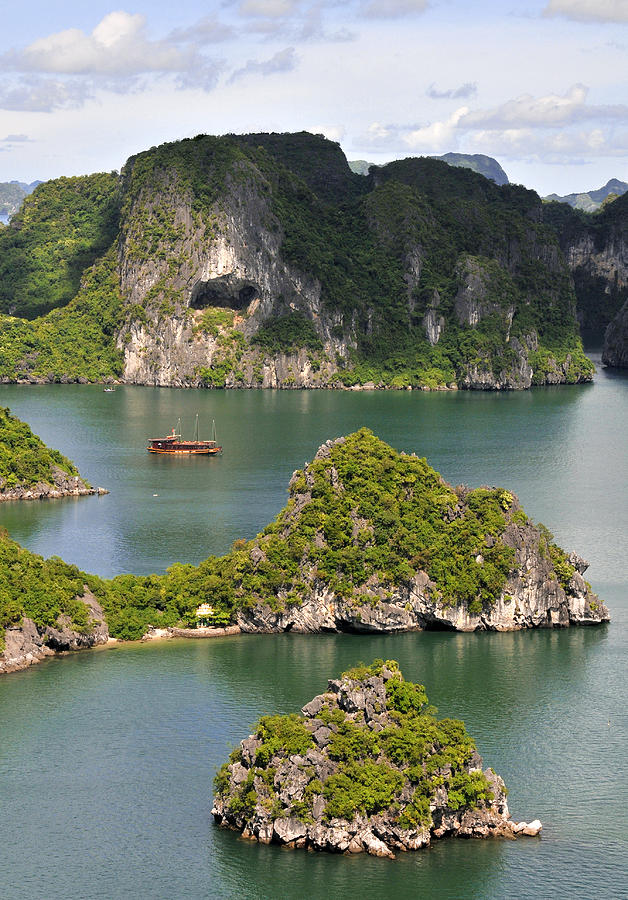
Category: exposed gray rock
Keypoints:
(27, 644)
(230, 256)
(615, 352)
(63, 485)
(532, 597)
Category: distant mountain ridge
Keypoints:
(591, 201)
(477, 162)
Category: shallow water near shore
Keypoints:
(106, 758)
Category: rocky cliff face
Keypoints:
(532, 598)
(596, 251)
(227, 260)
(366, 768)
(532, 582)
(261, 262)
(28, 644)
(616, 341)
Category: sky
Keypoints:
(542, 86)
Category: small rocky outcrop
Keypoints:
(367, 767)
(28, 643)
(615, 352)
(63, 485)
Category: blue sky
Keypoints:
(541, 86)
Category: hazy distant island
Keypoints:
(12, 194)
(29, 470)
(477, 162)
(371, 540)
(262, 260)
(367, 767)
(592, 201)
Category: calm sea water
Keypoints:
(107, 757)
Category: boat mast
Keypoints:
(196, 428)
(214, 430)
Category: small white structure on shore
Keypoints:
(204, 613)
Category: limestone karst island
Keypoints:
(371, 540)
(263, 260)
(366, 767)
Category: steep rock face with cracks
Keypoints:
(27, 642)
(616, 341)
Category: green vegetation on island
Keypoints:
(60, 231)
(39, 589)
(72, 342)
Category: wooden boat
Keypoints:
(174, 443)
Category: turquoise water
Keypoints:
(106, 757)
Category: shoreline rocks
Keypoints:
(365, 768)
(28, 644)
(63, 485)
(164, 634)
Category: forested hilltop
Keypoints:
(370, 540)
(262, 260)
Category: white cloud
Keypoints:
(379, 136)
(207, 30)
(551, 109)
(64, 69)
(589, 10)
(436, 136)
(117, 46)
(524, 112)
(546, 128)
(463, 92)
(283, 61)
(271, 9)
(331, 132)
(378, 132)
(393, 9)
(554, 148)
(37, 94)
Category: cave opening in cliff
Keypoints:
(225, 291)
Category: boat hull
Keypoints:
(186, 451)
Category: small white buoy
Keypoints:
(155, 495)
